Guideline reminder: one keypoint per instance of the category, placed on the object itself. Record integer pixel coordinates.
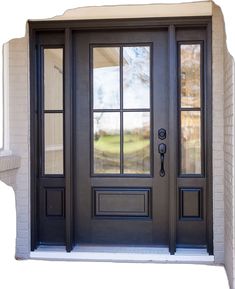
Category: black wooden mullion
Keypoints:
(121, 112)
(53, 111)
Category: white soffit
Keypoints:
(138, 11)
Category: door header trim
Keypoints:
(111, 24)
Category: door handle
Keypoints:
(162, 151)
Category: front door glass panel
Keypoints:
(136, 142)
(106, 142)
(121, 110)
(106, 77)
(136, 77)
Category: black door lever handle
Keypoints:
(162, 151)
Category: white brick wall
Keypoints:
(223, 148)
(19, 138)
(218, 132)
(229, 224)
(8, 169)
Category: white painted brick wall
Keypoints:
(223, 150)
(218, 132)
(19, 138)
(8, 169)
(229, 224)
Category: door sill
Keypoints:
(121, 254)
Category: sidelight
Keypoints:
(190, 108)
(121, 110)
(53, 116)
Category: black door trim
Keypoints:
(67, 27)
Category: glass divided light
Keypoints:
(106, 142)
(190, 108)
(53, 111)
(136, 142)
(121, 110)
(106, 77)
(136, 77)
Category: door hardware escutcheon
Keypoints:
(161, 133)
(162, 151)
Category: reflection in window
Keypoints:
(190, 75)
(106, 77)
(53, 78)
(121, 83)
(190, 142)
(136, 126)
(53, 138)
(53, 111)
(106, 136)
(190, 108)
(136, 77)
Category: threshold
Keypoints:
(137, 254)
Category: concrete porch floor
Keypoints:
(107, 275)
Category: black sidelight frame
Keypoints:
(65, 29)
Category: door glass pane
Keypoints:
(106, 139)
(106, 77)
(53, 139)
(190, 75)
(136, 77)
(53, 78)
(190, 142)
(136, 127)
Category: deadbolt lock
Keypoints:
(161, 133)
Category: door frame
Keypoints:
(66, 27)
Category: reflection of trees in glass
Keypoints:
(136, 142)
(136, 77)
(107, 142)
(190, 75)
(97, 118)
(190, 142)
(106, 95)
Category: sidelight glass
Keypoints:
(106, 142)
(53, 143)
(136, 77)
(136, 143)
(53, 78)
(190, 77)
(190, 142)
(106, 77)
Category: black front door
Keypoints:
(121, 105)
(121, 133)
